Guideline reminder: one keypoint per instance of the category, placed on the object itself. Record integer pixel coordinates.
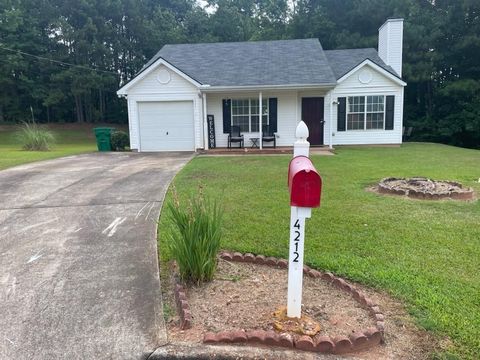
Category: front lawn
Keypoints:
(425, 253)
(71, 139)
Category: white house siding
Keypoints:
(390, 42)
(150, 89)
(379, 85)
(287, 118)
(289, 108)
(383, 43)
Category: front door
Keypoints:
(312, 115)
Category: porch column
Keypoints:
(205, 125)
(260, 119)
(330, 129)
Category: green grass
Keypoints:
(69, 140)
(425, 253)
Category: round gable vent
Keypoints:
(365, 76)
(163, 76)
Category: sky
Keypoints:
(203, 4)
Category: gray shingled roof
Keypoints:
(342, 61)
(280, 62)
(252, 63)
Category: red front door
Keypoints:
(312, 115)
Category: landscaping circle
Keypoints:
(244, 302)
(424, 188)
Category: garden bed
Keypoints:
(238, 307)
(425, 189)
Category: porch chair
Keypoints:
(268, 135)
(406, 133)
(235, 136)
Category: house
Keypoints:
(188, 96)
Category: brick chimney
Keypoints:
(390, 43)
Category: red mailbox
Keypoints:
(304, 183)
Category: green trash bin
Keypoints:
(103, 138)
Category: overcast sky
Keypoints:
(203, 3)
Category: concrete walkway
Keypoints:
(78, 256)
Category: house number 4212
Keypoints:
(296, 240)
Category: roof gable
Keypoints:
(345, 60)
(377, 68)
(147, 70)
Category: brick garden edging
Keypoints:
(182, 305)
(460, 193)
(358, 340)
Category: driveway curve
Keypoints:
(78, 256)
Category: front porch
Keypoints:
(279, 150)
(277, 110)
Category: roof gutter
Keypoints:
(209, 88)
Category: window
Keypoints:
(245, 114)
(375, 112)
(241, 114)
(356, 113)
(366, 112)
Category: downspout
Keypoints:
(330, 126)
(260, 119)
(205, 125)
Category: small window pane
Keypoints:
(254, 110)
(240, 107)
(356, 104)
(255, 123)
(241, 121)
(374, 121)
(355, 121)
(375, 103)
(254, 106)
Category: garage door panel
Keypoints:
(166, 126)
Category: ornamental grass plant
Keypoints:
(195, 241)
(35, 138)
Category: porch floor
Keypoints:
(279, 150)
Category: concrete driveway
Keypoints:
(78, 256)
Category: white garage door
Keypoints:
(166, 126)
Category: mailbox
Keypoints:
(304, 183)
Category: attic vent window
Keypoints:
(365, 76)
(163, 76)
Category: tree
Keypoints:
(105, 43)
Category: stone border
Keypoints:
(358, 340)
(467, 194)
(182, 305)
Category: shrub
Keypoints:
(195, 242)
(35, 138)
(119, 140)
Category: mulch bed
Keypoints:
(238, 306)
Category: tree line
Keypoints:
(63, 60)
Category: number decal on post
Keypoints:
(297, 239)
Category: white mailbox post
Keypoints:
(305, 187)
